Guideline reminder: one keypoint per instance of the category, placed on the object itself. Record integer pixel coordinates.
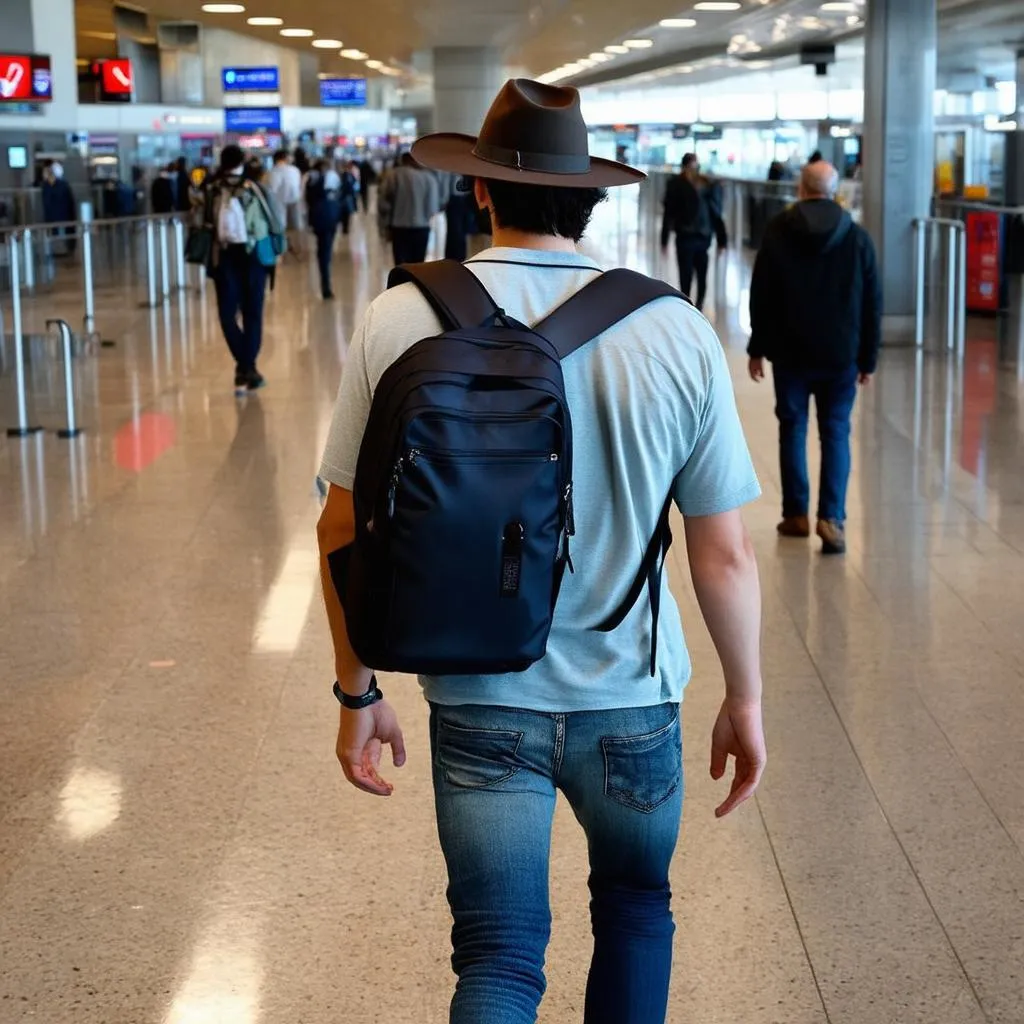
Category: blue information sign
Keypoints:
(250, 79)
(252, 119)
(343, 92)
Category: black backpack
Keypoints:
(463, 487)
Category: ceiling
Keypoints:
(540, 36)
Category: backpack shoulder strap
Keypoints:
(601, 304)
(454, 292)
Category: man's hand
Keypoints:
(361, 738)
(739, 733)
(756, 369)
(863, 379)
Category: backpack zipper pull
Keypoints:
(393, 489)
(570, 516)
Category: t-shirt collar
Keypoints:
(549, 257)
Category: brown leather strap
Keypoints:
(455, 293)
(599, 305)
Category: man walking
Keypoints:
(816, 315)
(693, 213)
(653, 415)
(285, 185)
(408, 199)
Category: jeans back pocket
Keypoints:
(642, 772)
(474, 758)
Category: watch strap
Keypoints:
(372, 695)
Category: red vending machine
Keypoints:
(984, 262)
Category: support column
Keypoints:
(466, 80)
(1014, 180)
(899, 145)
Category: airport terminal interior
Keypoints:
(178, 844)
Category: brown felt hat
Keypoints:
(534, 134)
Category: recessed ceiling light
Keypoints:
(637, 44)
(677, 22)
(718, 5)
(616, 48)
(354, 54)
(853, 20)
(327, 44)
(374, 65)
(297, 33)
(264, 21)
(601, 57)
(841, 7)
(224, 8)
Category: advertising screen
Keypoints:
(25, 78)
(244, 120)
(250, 79)
(17, 157)
(343, 92)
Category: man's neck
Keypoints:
(511, 238)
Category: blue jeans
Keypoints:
(834, 394)
(241, 282)
(496, 772)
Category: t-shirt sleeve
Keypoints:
(719, 474)
(351, 411)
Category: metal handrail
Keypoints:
(956, 281)
(100, 222)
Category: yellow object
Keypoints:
(976, 192)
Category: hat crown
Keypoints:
(535, 118)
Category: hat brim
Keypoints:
(450, 151)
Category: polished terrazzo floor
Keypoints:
(177, 845)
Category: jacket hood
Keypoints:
(818, 224)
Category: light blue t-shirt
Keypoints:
(653, 411)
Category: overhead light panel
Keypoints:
(637, 44)
(677, 22)
(297, 33)
(616, 48)
(327, 44)
(843, 7)
(264, 21)
(718, 5)
(224, 8)
(354, 54)
(375, 65)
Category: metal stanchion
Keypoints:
(180, 272)
(30, 266)
(165, 269)
(72, 429)
(14, 261)
(961, 295)
(90, 302)
(920, 233)
(951, 289)
(150, 266)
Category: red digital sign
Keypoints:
(25, 78)
(116, 77)
(984, 262)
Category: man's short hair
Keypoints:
(280, 156)
(544, 209)
(231, 157)
(689, 160)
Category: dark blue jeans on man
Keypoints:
(241, 282)
(834, 394)
(496, 773)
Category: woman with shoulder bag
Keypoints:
(246, 242)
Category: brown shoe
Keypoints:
(833, 537)
(794, 526)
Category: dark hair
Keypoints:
(231, 156)
(544, 209)
(689, 160)
(816, 157)
(407, 160)
(280, 156)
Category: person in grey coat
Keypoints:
(410, 197)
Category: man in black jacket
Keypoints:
(816, 314)
(693, 212)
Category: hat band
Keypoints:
(549, 163)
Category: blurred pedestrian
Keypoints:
(409, 199)
(693, 213)
(285, 184)
(349, 198)
(161, 193)
(816, 315)
(183, 186)
(323, 200)
(59, 204)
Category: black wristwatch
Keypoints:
(372, 695)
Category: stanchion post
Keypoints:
(961, 294)
(951, 288)
(14, 257)
(150, 265)
(165, 268)
(72, 429)
(180, 273)
(85, 215)
(30, 266)
(920, 236)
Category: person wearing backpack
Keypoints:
(247, 238)
(323, 200)
(508, 440)
(693, 212)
